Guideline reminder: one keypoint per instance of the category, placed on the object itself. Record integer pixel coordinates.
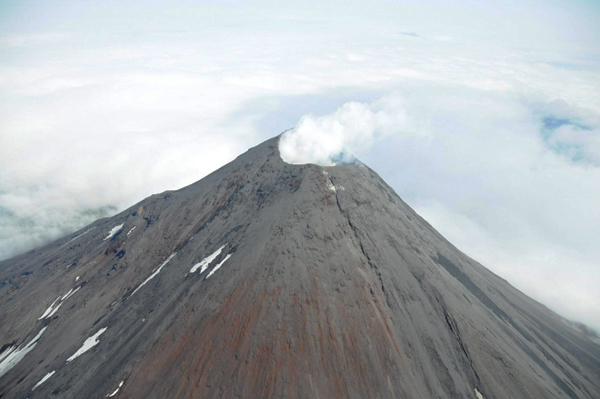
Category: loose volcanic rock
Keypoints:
(323, 284)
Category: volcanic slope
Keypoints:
(271, 280)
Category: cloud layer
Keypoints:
(483, 119)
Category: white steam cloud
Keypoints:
(334, 138)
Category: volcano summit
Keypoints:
(272, 280)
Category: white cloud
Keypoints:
(580, 144)
(103, 108)
(328, 139)
(31, 39)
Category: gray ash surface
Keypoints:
(329, 286)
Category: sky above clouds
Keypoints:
(484, 116)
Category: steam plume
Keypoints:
(334, 138)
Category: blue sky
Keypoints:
(105, 103)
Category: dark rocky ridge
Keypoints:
(343, 293)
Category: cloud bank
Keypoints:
(487, 123)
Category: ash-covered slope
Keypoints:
(266, 279)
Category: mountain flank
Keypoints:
(272, 280)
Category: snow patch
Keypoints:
(70, 294)
(87, 345)
(67, 295)
(7, 352)
(49, 310)
(12, 356)
(43, 379)
(154, 273)
(114, 231)
(218, 266)
(76, 278)
(129, 232)
(478, 394)
(54, 311)
(203, 265)
(331, 187)
(116, 390)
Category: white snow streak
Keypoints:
(7, 352)
(70, 294)
(206, 261)
(47, 312)
(74, 238)
(331, 187)
(87, 345)
(114, 231)
(154, 273)
(43, 379)
(67, 295)
(51, 310)
(54, 311)
(478, 394)
(218, 266)
(129, 232)
(14, 356)
(116, 390)
(76, 278)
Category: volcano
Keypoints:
(272, 280)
